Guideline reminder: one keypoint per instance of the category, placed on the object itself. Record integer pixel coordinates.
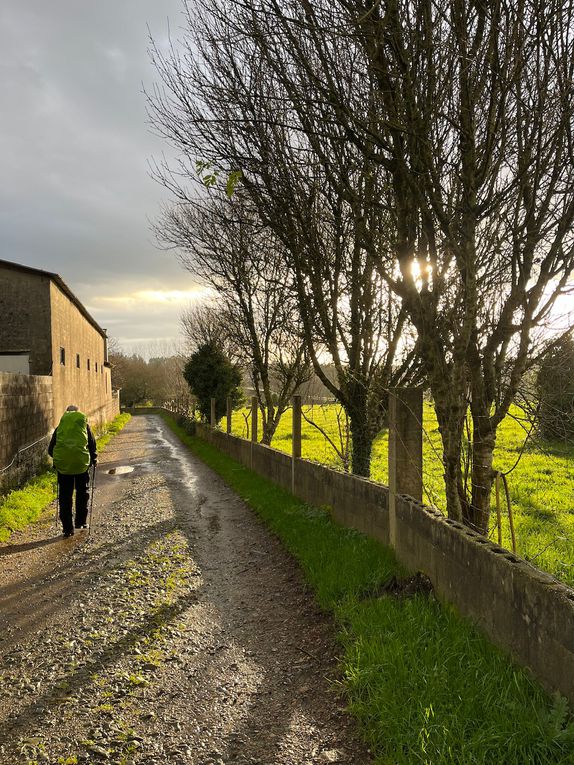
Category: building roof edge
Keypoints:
(59, 282)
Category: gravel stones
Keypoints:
(179, 631)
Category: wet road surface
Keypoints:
(179, 631)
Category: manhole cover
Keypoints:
(121, 469)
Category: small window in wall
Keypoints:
(78, 360)
(96, 366)
(88, 365)
(63, 356)
(102, 367)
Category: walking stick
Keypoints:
(92, 500)
(57, 500)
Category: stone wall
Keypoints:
(27, 422)
(522, 609)
(105, 413)
(26, 416)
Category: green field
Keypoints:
(541, 485)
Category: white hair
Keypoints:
(72, 408)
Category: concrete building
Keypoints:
(46, 331)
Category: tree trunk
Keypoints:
(478, 512)
(450, 416)
(361, 443)
(269, 429)
(452, 476)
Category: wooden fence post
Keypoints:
(213, 421)
(229, 413)
(405, 449)
(296, 439)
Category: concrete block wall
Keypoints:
(26, 415)
(520, 608)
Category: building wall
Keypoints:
(15, 362)
(25, 314)
(26, 417)
(75, 383)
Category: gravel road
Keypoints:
(178, 631)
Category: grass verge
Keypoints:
(425, 686)
(24, 506)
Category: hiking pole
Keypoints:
(92, 500)
(57, 500)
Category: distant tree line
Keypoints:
(157, 380)
(385, 186)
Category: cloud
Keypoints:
(158, 297)
(75, 194)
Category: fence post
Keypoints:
(296, 438)
(229, 413)
(254, 418)
(405, 449)
(212, 421)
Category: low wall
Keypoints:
(519, 607)
(26, 415)
(26, 424)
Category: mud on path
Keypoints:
(179, 631)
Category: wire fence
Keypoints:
(534, 512)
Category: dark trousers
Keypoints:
(66, 486)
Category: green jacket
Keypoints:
(73, 446)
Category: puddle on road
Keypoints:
(120, 470)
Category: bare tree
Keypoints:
(223, 242)
(205, 323)
(222, 100)
(469, 123)
(475, 105)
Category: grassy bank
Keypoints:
(24, 506)
(541, 485)
(424, 685)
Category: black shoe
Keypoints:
(68, 534)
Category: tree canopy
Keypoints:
(210, 374)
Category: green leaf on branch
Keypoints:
(232, 180)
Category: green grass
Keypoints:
(24, 506)
(541, 485)
(425, 686)
(111, 429)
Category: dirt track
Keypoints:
(178, 632)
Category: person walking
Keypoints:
(73, 449)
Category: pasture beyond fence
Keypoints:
(521, 608)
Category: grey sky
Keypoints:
(75, 195)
